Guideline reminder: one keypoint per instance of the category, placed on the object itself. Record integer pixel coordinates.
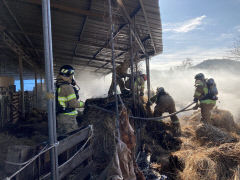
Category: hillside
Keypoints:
(219, 64)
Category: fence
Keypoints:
(78, 150)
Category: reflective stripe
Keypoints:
(205, 90)
(72, 113)
(208, 101)
(68, 98)
(81, 104)
(71, 96)
(62, 104)
(62, 98)
(197, 94)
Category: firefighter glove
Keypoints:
(149, 103)
(195, 99)
(196, 107)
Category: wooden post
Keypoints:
(148, 77)
(22, 87)
(36, 91)
(41, 82)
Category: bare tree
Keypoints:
(236, 49)
(187, 63)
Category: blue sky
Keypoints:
(197, 29)
(28, 84)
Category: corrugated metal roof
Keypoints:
(81, 30)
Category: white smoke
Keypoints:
(92, 85)
(180, 85)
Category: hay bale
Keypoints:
(161, 134)
(208, 163)
(212, 136)
(103, 140)
(198, 166)
(223, 119)
(227, 158)
(219, 118)
(104, 144)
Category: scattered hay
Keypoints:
(208, 152)
(212, 136)
(199, 166)
(209, 163)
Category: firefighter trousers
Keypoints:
(206, 112)
(66, 123)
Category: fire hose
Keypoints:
(153, 118)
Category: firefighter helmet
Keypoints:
(160, 90)
(66, 70)
(199, 76)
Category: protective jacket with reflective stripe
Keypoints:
(201, 91)
(67, 98)
(139, 84)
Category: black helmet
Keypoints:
(199, 76)
(160, 90)
(66, 70)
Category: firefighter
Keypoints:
(201, 94)
(139, 84)
(121, 72)
(67, 100)
(165, 103)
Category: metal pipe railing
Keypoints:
(48, 53)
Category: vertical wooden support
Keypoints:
(41, 82)
(36, 90)
(114, 68)
(22, 87)
(148, 77)
(132, 67)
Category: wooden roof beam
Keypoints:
(128, 18)
(143, 40)
(20, 26)
(65, 8)
(57, 55)
(135, 11)
(18, 50)
(119, 55)
(147, 22)
(82, 27)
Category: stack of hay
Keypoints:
(209, 152)
(111, 158)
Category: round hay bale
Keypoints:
(219, 118)
(223, 119)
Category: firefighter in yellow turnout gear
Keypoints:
(66, 100)
(139, 84)
(201, 94)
